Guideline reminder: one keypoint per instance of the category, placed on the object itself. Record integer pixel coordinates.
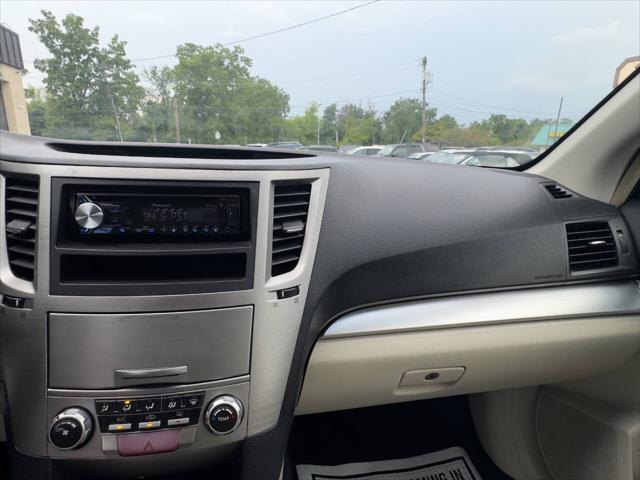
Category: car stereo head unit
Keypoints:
(151, 212)
(145, 215)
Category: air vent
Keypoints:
(290, 209)
(21, 214)
(556, 191)
(591, 246)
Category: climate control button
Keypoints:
(224, 414)
(70, 429)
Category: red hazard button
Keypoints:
(148, 443)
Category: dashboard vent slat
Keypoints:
(290, 210)
(21, 214)
(558, 192)
(591, 246)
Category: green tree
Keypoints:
(474, 135)
(403, 120)
(510, 131)
(329, 125)
(215, 92)
(157, 122)
(37, 108)
(87, 86)
(304, 128)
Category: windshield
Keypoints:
(293, 74)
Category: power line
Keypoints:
(254, 37)
(274, 32)
(473, 102)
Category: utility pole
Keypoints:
(318, 117)
(177, 118)
(558, 119)
(424, 99)
(115, 114)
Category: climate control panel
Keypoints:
(148, 413)
(149, 421)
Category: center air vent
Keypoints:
(556, 191)
(290, 209)
(21, 214)
(591, 246)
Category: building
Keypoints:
(626, 68)
(13, 105)
(548, 134)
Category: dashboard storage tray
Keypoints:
(102, 351)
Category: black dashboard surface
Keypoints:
(393, 229)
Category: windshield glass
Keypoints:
(513, 75)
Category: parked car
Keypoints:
(320, 148)
(256, 145)
(482, 158)
(400, 149)
(293, 145)
(420, 155)
(366, 150)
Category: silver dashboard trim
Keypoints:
(148, 391)
(23, 333)
(531, 304)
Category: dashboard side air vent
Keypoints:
(556, 191)
(591, 246)
(21, 215)
(290, 209)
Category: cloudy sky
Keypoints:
(516, 58)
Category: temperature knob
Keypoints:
(224, 414)
(70, 429)
(89, 215)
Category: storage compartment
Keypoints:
(360, 371)
(110, 269)
(88, 351)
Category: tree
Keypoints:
(88, 87)
(215, 92)
(474, 135)
(37, 108)
(403, 120)
(329, 125)
(304, 128)
(509, 131)
(157, 122)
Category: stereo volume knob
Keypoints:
(89, 215)
(224, 414)
(70, 429)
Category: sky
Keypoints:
(514, 58)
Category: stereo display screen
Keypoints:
(149, 215)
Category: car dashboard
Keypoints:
(166, 307)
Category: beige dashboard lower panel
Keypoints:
(361, 371)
